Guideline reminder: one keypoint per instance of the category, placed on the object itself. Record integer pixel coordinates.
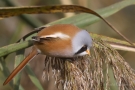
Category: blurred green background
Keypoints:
(13, 28)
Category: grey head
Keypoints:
(81, 43)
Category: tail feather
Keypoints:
(21, 65)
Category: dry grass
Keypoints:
(103, 70)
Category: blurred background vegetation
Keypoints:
(13, 28)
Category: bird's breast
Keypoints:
(57, 48)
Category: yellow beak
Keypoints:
(88, 52)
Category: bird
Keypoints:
(60, 40)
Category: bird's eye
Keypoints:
(84, 48)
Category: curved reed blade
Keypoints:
(115, 43)
(13, 11)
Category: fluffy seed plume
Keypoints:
(103, 70)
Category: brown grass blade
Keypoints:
(13, 11)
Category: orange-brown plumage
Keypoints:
(68, 29)
(21, 65)
(58, 44)
(63, 40)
